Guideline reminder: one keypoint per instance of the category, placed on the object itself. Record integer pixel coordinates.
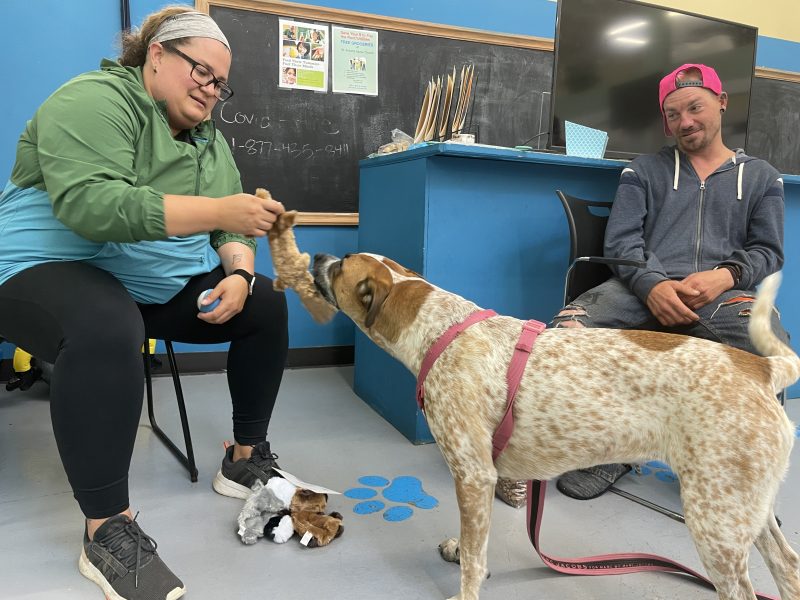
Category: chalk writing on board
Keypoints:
(265, 121)
(296, 150)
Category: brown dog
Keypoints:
(707, 409)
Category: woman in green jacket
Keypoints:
(125, 204)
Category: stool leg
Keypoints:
(187, 460)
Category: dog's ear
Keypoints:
(372, 294)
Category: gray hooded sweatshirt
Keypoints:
(663, 214)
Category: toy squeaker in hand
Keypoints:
(291, 266)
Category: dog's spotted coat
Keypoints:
(593, 396)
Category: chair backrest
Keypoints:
(587, 221)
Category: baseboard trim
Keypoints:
(212, 362)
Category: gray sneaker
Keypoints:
(123, 561)
(235, 479)
(587, 484)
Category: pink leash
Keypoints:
(605, 564)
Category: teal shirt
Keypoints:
(91, 171)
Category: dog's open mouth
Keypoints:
(323, 265)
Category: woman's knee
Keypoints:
(266, 310)
(58, 306)
(107, 329)
(267, 303)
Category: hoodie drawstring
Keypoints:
(677, 169)
(739, 182)
(738, 179)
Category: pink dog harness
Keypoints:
(606, 564)
(530, 331)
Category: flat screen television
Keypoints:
(611, 54)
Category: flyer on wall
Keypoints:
(355, 61)
(303, 60)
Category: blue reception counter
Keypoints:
(485, 223)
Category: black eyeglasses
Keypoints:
(201, 75)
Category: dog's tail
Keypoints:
(785, 363)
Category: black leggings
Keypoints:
(83, 320)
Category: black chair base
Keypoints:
(187, 460)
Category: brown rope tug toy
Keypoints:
(291, 266)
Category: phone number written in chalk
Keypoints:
(294, 150)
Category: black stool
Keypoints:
(187, 460)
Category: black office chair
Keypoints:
(588, 268)
(187, 460)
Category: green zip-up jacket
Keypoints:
(91, 171)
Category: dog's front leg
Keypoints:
(475, 507)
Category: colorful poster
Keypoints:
(355, 61)
(303, 60)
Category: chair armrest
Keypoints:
(639, 264)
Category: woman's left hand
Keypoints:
(232, 293)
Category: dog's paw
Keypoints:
(449, 550)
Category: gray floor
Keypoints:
(326, 435)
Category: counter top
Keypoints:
(482, 151)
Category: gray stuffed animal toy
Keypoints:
(265, 502)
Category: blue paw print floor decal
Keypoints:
(659, 470)
(406, 491)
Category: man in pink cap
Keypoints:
(708, 223)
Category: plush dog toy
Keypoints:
(266, 501)
(279, 509)
(306, 517)
(291, 266)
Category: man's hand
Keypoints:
(708, 284)
(232, 292)
(666, 302)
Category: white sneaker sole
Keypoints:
(226, 487)
(92, 573)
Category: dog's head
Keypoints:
(363, 287)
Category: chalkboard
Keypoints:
(774, 127)
(304, 146)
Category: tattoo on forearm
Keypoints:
(236, 259)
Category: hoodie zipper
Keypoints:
(699, 226)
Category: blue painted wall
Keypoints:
(45, 42)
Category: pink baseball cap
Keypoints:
(708, 79)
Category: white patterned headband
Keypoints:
(189, 24)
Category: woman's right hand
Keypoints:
(248, 214)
